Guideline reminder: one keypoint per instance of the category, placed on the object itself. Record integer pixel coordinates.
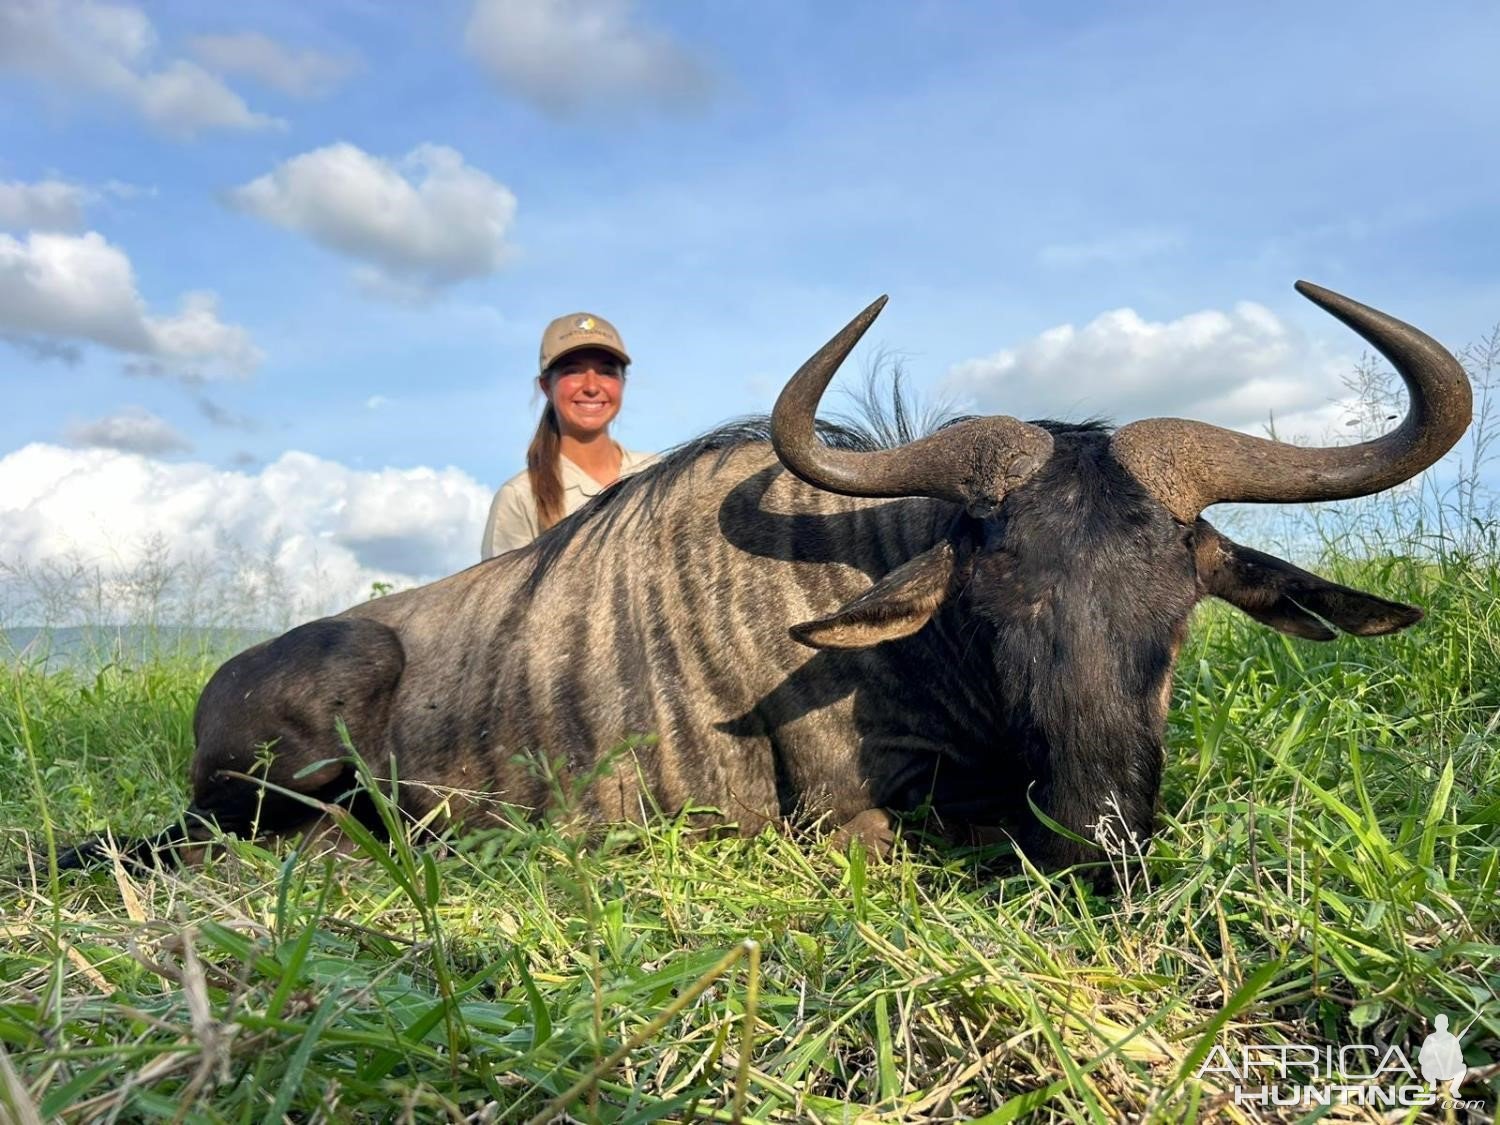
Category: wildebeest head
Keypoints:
(1078, 552)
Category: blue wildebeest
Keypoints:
(815, 628)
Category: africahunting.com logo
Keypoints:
(1292, 1074)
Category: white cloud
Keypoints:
(425, 221)
(330, 530)
(54, 204)
(131, 430)
(567, 55)
(56, 289)
(301, 74)
(196, 336)
(1239, 369)
(1118, 249)
(110, 50)
(45, 205)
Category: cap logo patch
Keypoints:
(586, 323)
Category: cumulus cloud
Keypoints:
(298, 73)
(1240, 369)
(59, 289)
(565, 56)
(54, 204)
(131, 430)
(197, 336)
(329, 530)
(422, 222)
(45, 205)
(110, 50)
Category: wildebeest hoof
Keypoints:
(872, 828)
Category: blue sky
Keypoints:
(1076, 209)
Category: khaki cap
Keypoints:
(580, 330)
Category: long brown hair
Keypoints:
(544, 470)
(543, 467)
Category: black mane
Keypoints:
(657, 479)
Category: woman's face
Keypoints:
(585, 388)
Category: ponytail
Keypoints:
(543, 469)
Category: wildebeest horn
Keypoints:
(1190, 465)
(974, 463)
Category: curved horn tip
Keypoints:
(1326, 299)
(873, 309)
(857, 327)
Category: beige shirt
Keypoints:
(513, 521)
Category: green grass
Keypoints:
(1327, 871)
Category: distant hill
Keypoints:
(93, 646)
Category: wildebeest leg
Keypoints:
(873, 828)
(266, 725)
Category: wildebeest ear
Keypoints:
(896, 606)
(1288, 598)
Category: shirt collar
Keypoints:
(575, 477)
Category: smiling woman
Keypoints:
(572, 457)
